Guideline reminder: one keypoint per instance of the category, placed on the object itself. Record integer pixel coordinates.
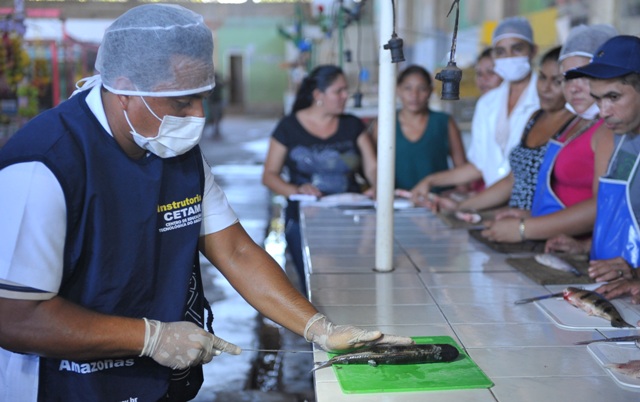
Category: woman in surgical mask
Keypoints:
(500, 115)
(564, 201)
(518, 187)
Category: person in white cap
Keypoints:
(500, 115)
(106, 202)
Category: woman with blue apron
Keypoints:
(545, 199)
(616, 232)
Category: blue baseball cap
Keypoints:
(617, 57)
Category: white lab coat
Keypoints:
(485, 153)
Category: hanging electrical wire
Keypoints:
(395, 43)
(451, 75)
(357, 96)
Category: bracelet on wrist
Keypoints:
(521, 230)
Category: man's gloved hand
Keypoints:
(337, 338)
(182, 344)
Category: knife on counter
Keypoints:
(532, 299)
(629, 338)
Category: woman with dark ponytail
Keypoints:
(321, 147)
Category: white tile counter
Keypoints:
(446, 283)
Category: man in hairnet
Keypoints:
(500, 115)
(106, 201)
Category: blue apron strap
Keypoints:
(545, 200)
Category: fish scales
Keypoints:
(399, 354)
(595, 304)
(554, 262)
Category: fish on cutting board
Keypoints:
(594, 304)
(630, 368)
(555, 262)
(469, 217)
(397, 354)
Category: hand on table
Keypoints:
(512, 213)
(444, 204)
(309, 189)
(421, 194)
(182, 344)
(434, 202)
(337, 338)
(370, 192)
(503, 231)
(567, 244)
(621, 288)
(609, 270)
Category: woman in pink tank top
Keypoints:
(574, 168)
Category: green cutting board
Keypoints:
(461, 373)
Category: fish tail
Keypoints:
(618, 322)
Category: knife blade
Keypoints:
(276, 350)
(532, 299)
(616, 339)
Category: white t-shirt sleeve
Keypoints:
(476, 134)
(217, 214)
(34, 224)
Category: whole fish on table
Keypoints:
(555, 262)
(397, 354)
(595, 304)
(630, 368)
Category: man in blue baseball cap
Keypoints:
(614, 80)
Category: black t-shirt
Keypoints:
(329, 164)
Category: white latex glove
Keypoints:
(182, 344)
(337, 338)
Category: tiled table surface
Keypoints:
(446, 283)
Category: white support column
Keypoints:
(386, 143)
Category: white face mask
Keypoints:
(176, 135)
(512, 69)
(589, 114)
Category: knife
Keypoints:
(276, 350)
(618, 339)
(532, 299)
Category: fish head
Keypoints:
(568, 292)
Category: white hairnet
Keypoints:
(584, 40)
(513, 27)
(157, 50)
